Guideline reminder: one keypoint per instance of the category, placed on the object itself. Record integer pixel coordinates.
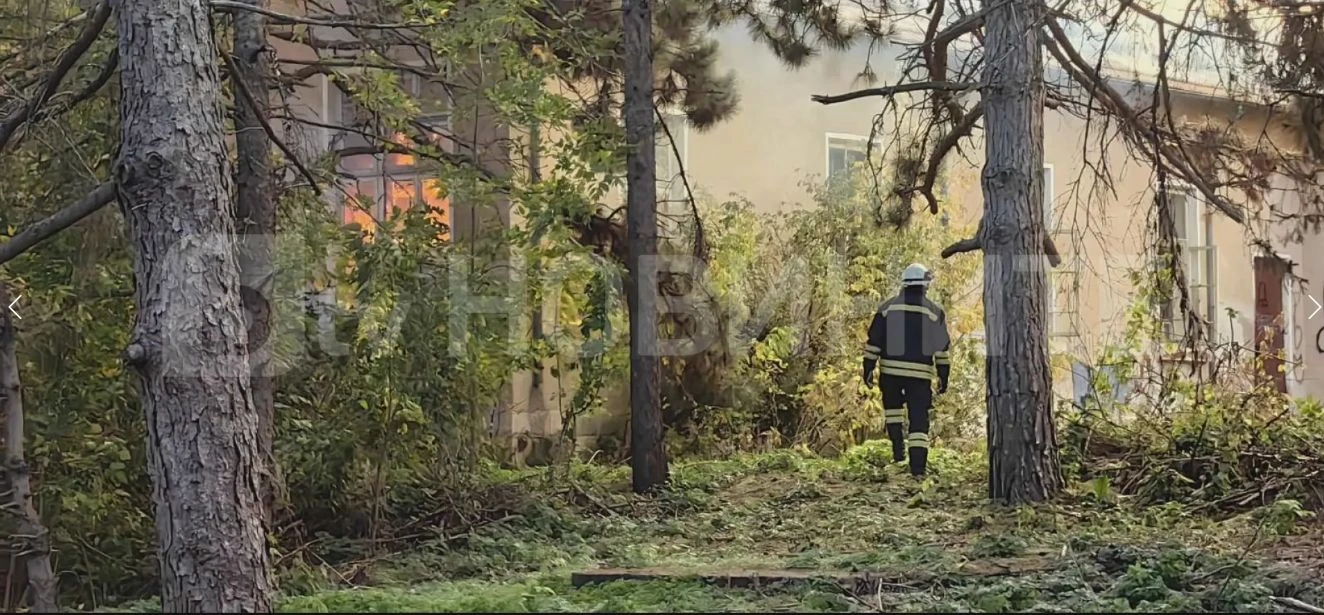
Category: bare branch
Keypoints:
(1060, 46)
(66, 63)
(940, 151)
(700, 240)
(893, 90)
(60, 220)
(88, 91)
(285, 18)
(56, 29)
(965, 25)
(266, 125)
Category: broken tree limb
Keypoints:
(973, 243)
(58, 221)
(892, 90)
(31, 534)
(65, 63)
(961, 247)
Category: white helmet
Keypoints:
(916, 275)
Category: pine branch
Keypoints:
(892, 90)
(62, 67)
(60, 220)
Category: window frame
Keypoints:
(383, 169)
(1061, 321)
(671, 191)
(1197, 215)
(840, 136)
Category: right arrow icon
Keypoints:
(1317, 307)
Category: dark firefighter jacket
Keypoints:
(909, 337)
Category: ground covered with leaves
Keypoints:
(934, 545)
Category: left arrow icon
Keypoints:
(11, 308)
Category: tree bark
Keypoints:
(188, 343)
(34, 538)
(648, 457)
(255, 217)
(1022, 445)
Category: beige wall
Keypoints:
(778, 138)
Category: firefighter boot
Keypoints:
(895, 413)
(919, 453)
(898, 439)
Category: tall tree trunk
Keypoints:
(647, 453)
(189, 344)
(1022, 445)
(36, 541)
(255, 214)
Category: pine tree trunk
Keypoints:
(255, 217)
(648, 457)
(35, 541)
(189, 342)
(1022, 445)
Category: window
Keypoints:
(431, 96)
(1063, 280)
(1193, 225)
(844, 152)
(381, 185)
(671, 194)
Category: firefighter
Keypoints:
(909, 337)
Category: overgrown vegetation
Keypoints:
(1188, 494)
(934, 545)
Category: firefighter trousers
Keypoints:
(908, 400)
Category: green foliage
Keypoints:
(793, 510)
(1224, 441)
(797, 290)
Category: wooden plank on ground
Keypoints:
(743, 579)
(858, 582)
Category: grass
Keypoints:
(938, 543)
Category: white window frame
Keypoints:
(1197, 216)
(671, 191)
(1068, 267)
(828, 139)
(1050, 198)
